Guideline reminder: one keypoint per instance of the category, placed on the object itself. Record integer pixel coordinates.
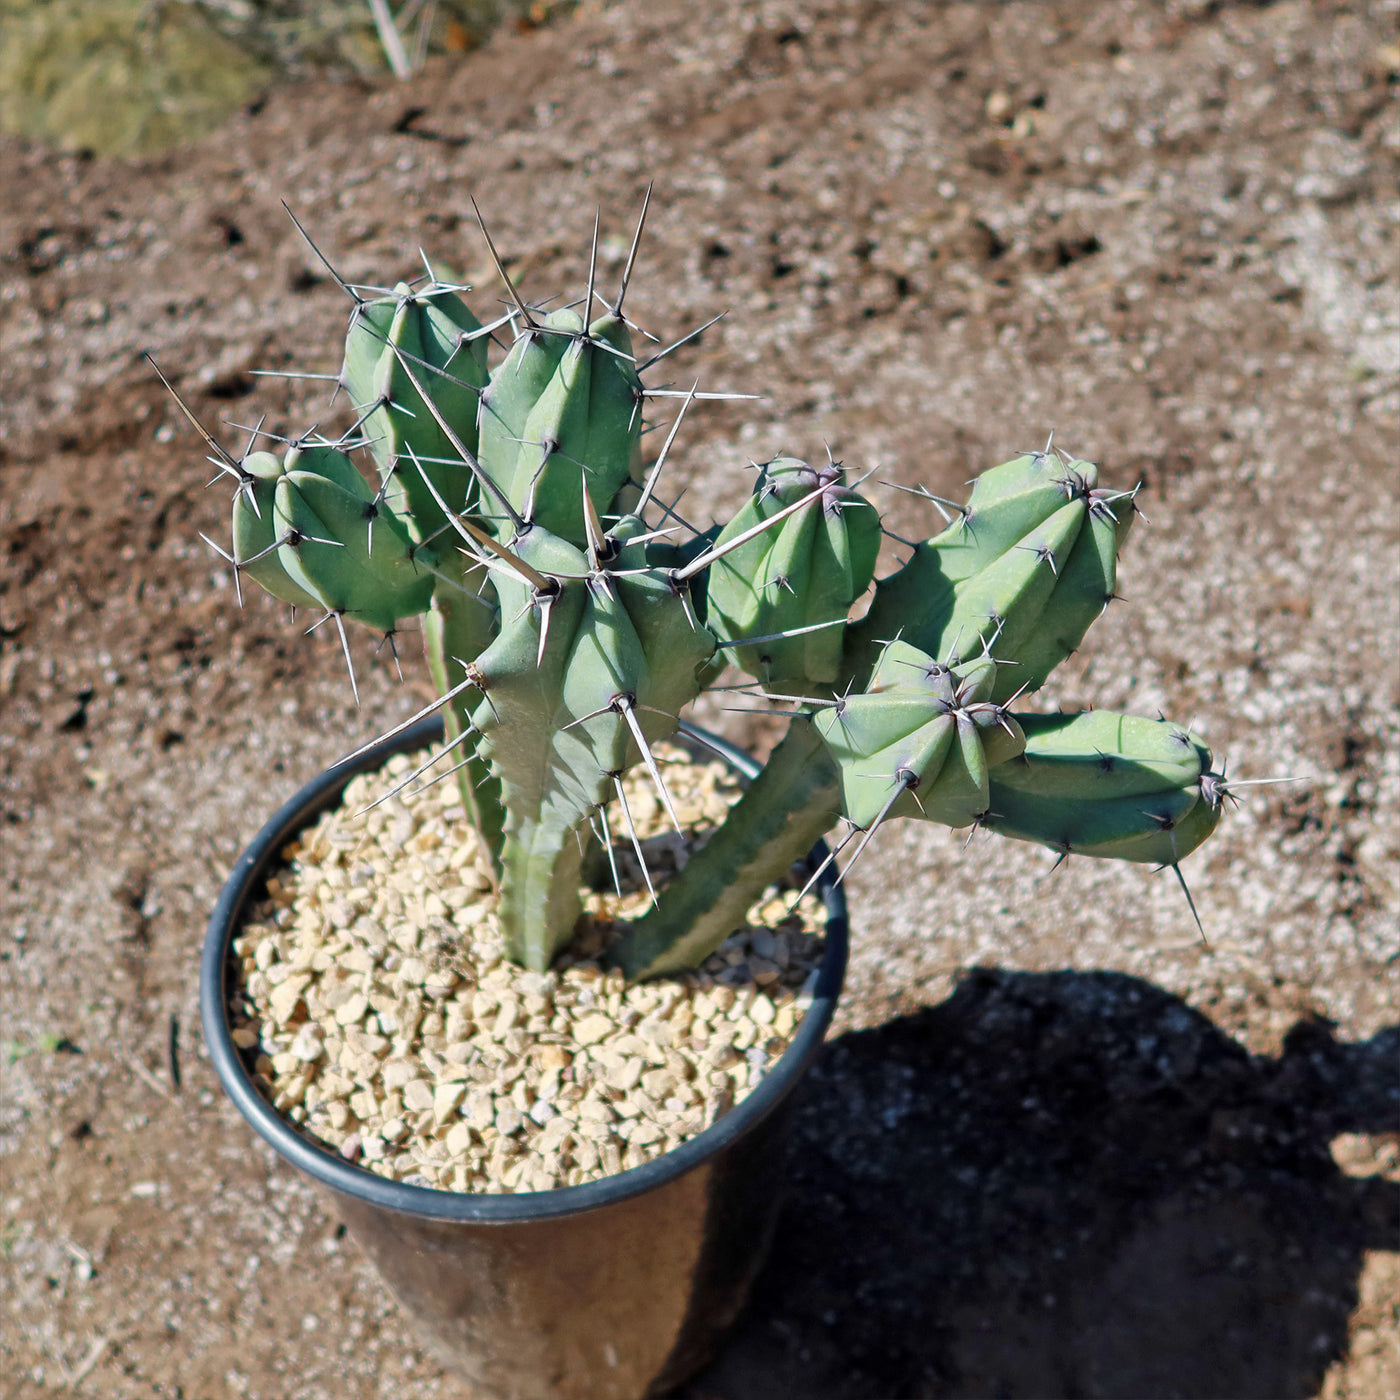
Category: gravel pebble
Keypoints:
(387, 1024)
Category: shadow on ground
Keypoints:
(1068, 1184)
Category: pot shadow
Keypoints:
(1067, 1184)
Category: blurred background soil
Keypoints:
(1059, 1146)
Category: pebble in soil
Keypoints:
(385, 1021)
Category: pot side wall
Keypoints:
(610, 1304)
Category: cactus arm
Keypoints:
(520, 715)
(504, 410)
(1082, 590)
(542, 864)
(796, 579)
(395, 344)
(256, 551)
(787, 809)
(1107, 785)
(984, 571)
(575, 676)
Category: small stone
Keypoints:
(307, 1044)
(333, 1085)
(419, 1096)
(506, 1017)
(658, 1083)
(393, 1130)
(364, 1043)
(541, 1112)
(553, 1057)
(509, 1119)
(761, 1009)
(764, 973)
(591, 1029)
(441, 982)
(284, 997)
(625, 1076)
(357, 959)
(290, 1092)
(551, 1138)
(459, 1139)
(397, 1073)
(245, 1037)
(447, 1098)
(352, 1009)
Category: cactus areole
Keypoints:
(494, 485)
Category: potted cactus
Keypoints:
(569, 616)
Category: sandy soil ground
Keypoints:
(1059, 1146)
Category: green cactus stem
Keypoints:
(1020, 574)
(433, 332)
(793, 579)
(783, 813)
(1108, 785)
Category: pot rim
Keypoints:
(242, 888)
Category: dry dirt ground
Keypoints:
(1059, 1146)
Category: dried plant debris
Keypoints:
(387, 1024)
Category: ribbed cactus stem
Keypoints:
(785, 811)
(542, 860)
(455, 629)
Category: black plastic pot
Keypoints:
(613, 1290)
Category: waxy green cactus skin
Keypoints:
(568, 623)
(1104, 784)
(1022, 572)
(920, 740)
(804, 574)
(564, 408)
(392, 340)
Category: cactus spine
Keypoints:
(566, 629)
